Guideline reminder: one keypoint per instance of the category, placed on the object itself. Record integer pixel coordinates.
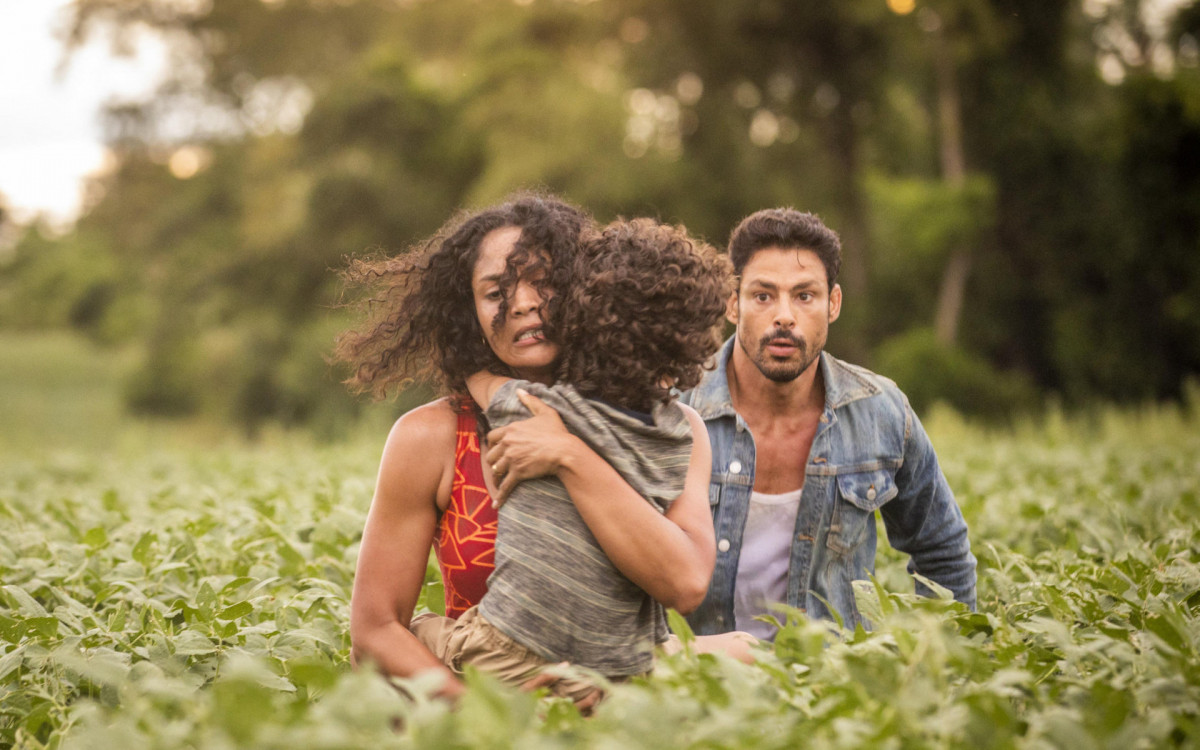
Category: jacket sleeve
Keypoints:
(925, 522)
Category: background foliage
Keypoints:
(1016, 181)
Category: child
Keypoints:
(638, 320)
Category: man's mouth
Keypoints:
(782, 346)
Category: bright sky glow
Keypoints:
(50, 122)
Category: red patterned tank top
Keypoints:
(466, 533)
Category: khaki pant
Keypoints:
(471, 639)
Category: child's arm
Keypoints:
(483, 386)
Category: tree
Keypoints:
(1003, 206)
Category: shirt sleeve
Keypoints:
(925, 522)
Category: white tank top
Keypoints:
(762, 573)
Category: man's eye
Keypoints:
(762, 297)
(804, 296)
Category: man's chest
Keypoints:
(780, 458)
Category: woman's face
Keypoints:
(519, 343)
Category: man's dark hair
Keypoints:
(787, 229)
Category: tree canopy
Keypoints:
(1016, 182)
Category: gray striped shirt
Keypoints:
(554, 590)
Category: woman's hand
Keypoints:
(586, 704)
(528, 448)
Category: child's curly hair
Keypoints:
(640, 316)
(420, 320)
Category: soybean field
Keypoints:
(187, 598)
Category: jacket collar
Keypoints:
(844, 383)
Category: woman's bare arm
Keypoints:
(396, 542)
(670, 556)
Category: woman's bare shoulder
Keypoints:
(418, 459)
(428, 425)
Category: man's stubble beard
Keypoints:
(780, 372)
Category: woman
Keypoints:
(479, 294)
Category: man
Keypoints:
(806, 447)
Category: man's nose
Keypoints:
(784, 316)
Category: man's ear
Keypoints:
(731, 307)
(835, 302)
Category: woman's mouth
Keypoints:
(530, 336)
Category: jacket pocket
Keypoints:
(867, 490)
(859, 495)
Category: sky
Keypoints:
(50, 135)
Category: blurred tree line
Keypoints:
(1016, 182)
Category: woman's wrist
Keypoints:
(452, 688)
(571, 457)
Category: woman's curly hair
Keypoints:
(420, 321)
(641, 312)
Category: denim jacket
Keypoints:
(870, 454)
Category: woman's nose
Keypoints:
(525, 298)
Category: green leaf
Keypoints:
(191, 643)
(206, 602)
(867, 600)
(96, 537)
(236, 611)
(141, 550)
(10, 662)
(680, 627)
(103, 667)
(312, 672)
(235, 584)
(24, 603)
(11, 630)
(939, 591)
(46, 627)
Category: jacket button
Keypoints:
(723, 545)
(735, 467)
(871, 493)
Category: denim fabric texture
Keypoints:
(870, 454)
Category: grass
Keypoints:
(57, 391)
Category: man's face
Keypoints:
(782, 310)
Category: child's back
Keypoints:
(639, 319)
(554, 590)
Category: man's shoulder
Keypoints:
(710, 397)
(853, 383)
(882, 382)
